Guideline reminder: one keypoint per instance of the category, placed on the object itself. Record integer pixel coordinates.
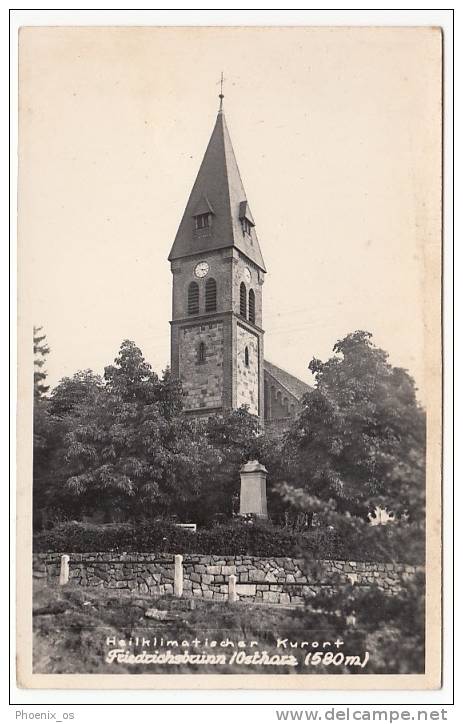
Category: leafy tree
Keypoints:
(122, 446)
(128, 450)
(131, 377)
(123, 442)
(43, 447)
(228, 440)
(359, 439)
(53, 419)
(71, 391)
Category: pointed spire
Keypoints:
(218, 187)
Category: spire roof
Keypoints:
(218, 189)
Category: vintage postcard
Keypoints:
(229, 418)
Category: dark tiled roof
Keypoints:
(245, 212)
(203, 207)
(292, 384)
(219, 182)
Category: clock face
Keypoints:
(201, 269)
(247, 274)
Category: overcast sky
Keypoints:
(336, 138)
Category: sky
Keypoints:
(337, 137)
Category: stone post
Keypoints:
(178, 576)
(351, 620)
(64, 572)
(232, 595)
(253, 496)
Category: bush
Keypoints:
(79, 537)
(393, 627)
(237, 538)
(367, 543)
(163, 537)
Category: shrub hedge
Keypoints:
(235, 538)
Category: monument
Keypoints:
(253, 494)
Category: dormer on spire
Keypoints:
(203, 207)
(203, 214)
(246, 218)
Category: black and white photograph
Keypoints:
(229, 253)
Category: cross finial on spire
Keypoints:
(221, 96)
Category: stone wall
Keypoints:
(247, 376)
(202, 380)
(259, 580)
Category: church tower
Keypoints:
(218, 272)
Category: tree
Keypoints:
(359, 439)
(123, 447)
(127, 449)
(230, 439)
(43, 429)
(369, 619)
(131, 377)
(41, 350)
(72, 391)
(53, 420)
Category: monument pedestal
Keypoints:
(253, 495)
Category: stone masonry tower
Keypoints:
(218, 272)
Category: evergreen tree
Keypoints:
(41, 350)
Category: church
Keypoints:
(218, 272)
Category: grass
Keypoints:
(72, 624)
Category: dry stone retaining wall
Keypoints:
(260, 580)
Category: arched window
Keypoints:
(246, 356)
(211, 295)
(252, 306)
(193, 298)
(243, 300)
(201, 352)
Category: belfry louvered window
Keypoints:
(252, 306)
(211, 295)
(193, 298)
(243, 299)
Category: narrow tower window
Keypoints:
(246, 356)
(243, 299)
(193, 298)
(252, 306)
(201, 353)
(211, 295)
